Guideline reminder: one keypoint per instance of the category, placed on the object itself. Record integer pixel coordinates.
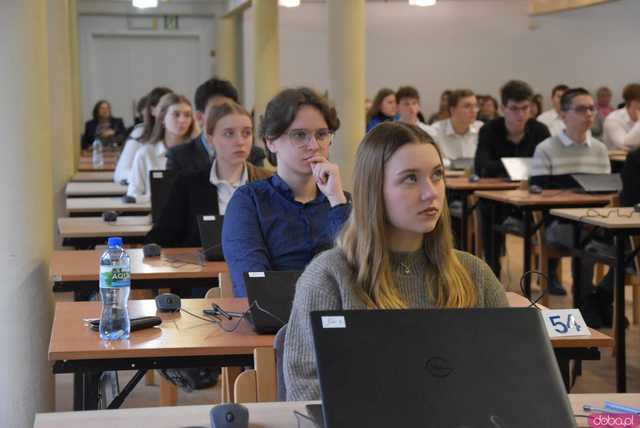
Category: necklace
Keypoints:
(406, 270)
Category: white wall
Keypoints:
(478, 44)
(98, 32)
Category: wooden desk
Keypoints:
(617, 155)
(93, 176)
(621, 223)
(182, 340)
(454, 173)
(263, 415)
(528, 203)
(87, 232)
(461, 188)
(108, 165)
(95, 189)
(77, 271)
(79, 206)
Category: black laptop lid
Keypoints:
(270, 296)
(160, 183)
(491, 368)
(599, 183)
(210, 228)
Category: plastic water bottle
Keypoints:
(96, 157)
(115, 283)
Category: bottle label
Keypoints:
(114, 277)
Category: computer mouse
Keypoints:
(474, 178)
(152, 250)
(636, 208)
(230, 415)
(535, 189)
(128, 199)
(109, 216)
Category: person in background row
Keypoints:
(282, 222)
(443, 110)
(551, 117)
(603, 101)
(174, 125)
(109, 129)
(622, 126)
(135, 139)
(409, 107)
(536, 106)
(457, 137)
(198, 154)
(488, 109)
(384, 108)
(395, 251)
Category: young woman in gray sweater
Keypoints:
(395, 251)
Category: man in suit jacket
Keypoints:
(197, 154)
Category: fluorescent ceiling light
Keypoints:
(144, 4)
(289, 3)
(422, 2)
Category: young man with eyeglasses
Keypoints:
(457, 137)
(515, 134)
(572, 151)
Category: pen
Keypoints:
(590, 408)
(621, 408)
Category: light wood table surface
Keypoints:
(108, 165)
(102, 204)
(263, 415)
(621, 223)
(92, 176)
(617, 155)
(87, 232)
(182, 340)
(177, 268)
(98, 188)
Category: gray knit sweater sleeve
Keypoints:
(316, 289)
(491, 293)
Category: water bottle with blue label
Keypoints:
(115, 283)
(96, 156)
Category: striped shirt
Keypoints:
(559, 155)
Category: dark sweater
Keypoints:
(493, 144)
(631, 180)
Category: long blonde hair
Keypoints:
(364, 239)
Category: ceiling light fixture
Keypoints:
(145, 4)
(289, 3)
(422, 3)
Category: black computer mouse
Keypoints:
(152, 250)
(535, 189)
(128, 199)
(474, 178)
(109, 216)
(636, 208)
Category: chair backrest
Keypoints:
(224, 289)
(278, 345)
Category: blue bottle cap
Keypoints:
(114, 242)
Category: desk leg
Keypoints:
(527, 252)
(564, 364)
(492, 257)
(463, 222)
(619, 274)
(576, 264)
(85, 390)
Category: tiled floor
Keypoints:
(598, 376)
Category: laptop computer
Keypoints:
(160, 183)
(517, 168)
(210, 228)
(270, 296)
(491, 368)
(462, 164)
(598, 183)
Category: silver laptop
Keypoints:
(517, 168)
(599, 183)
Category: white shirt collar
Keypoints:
(160, 149)
(473, 129)
(566, 141)
(213, 176)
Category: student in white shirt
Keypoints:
(551, 118)
(174, 124)
(622, 126)
(408, 100)
(137, 136)
(457, 137)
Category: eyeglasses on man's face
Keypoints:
(302, 137)
(584, 109)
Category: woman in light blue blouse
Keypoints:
(280, 223)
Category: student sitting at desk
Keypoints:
(140, 133)
(384, 108)
(174, 124)
(107, 128)
(395, 251)
(228, 128)
(282, 222)
(572, 151)
(622, 126)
